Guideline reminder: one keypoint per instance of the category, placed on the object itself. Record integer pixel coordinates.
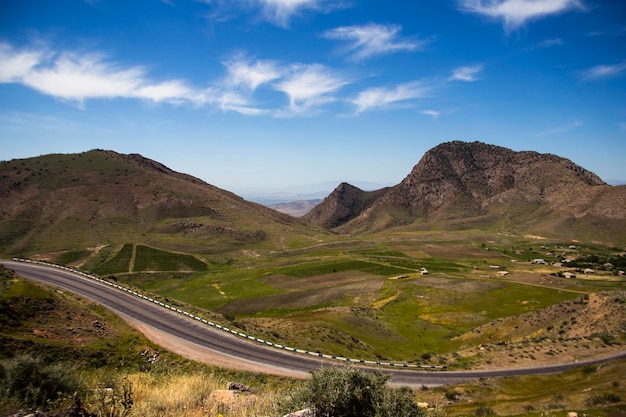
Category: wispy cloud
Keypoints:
(280, 12)
(373, 39)
(561, 129)
(231, 101)
(467, 73)
(515, 13)
(78, 78)
(276, 12)
(378, 97)
(14, 65)
(600, 72)
(432, 113)
(74, 77)
(545, 44)
(309, 86)
(549, 43)
(250, 75)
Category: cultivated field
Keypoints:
(461, 299)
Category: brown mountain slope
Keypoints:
(60, 202)
(497, 187)
(342, 205)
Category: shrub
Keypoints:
(28, 382)
(483, 411)
(602, 399)
(589, 369)
(452, 395)
(348, 392)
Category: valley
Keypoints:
(371, 299)
(467, 264)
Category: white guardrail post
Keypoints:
(226, 329)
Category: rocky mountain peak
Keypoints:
(343, 204)
(457, 181)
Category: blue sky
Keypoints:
(260, 95)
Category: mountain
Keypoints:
(344, 204)
(460, 185)
(65, 201)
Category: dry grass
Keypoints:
(182, 395)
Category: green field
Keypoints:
(365, 300)
(139, 258)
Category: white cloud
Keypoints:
(549, 43)
(280, 12)
(373, 39)
(242, 73)
(379, 97)
(515, 13)
(15, 65)
(77, 78)
(309, 86)
(74, 77)
(276, 12)
(174, 91)
(226, 100)
(432, 113)
(230, 101)
(468, 74)
(600, 72)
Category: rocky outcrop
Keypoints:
(342, 205)
(526, 192)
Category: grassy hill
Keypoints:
(99, 198)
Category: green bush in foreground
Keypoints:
(347, 392)
(27, 382)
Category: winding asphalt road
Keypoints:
(193, 339)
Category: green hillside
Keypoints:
(100, 198)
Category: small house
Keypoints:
(538, 261)
(569, 275)
(496, 267)
(503, 273)
(423, 271)
(588, 271)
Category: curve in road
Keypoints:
(191, 338)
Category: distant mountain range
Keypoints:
(69, 201)
(296, 208)
(464, 185)
(308, 192)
